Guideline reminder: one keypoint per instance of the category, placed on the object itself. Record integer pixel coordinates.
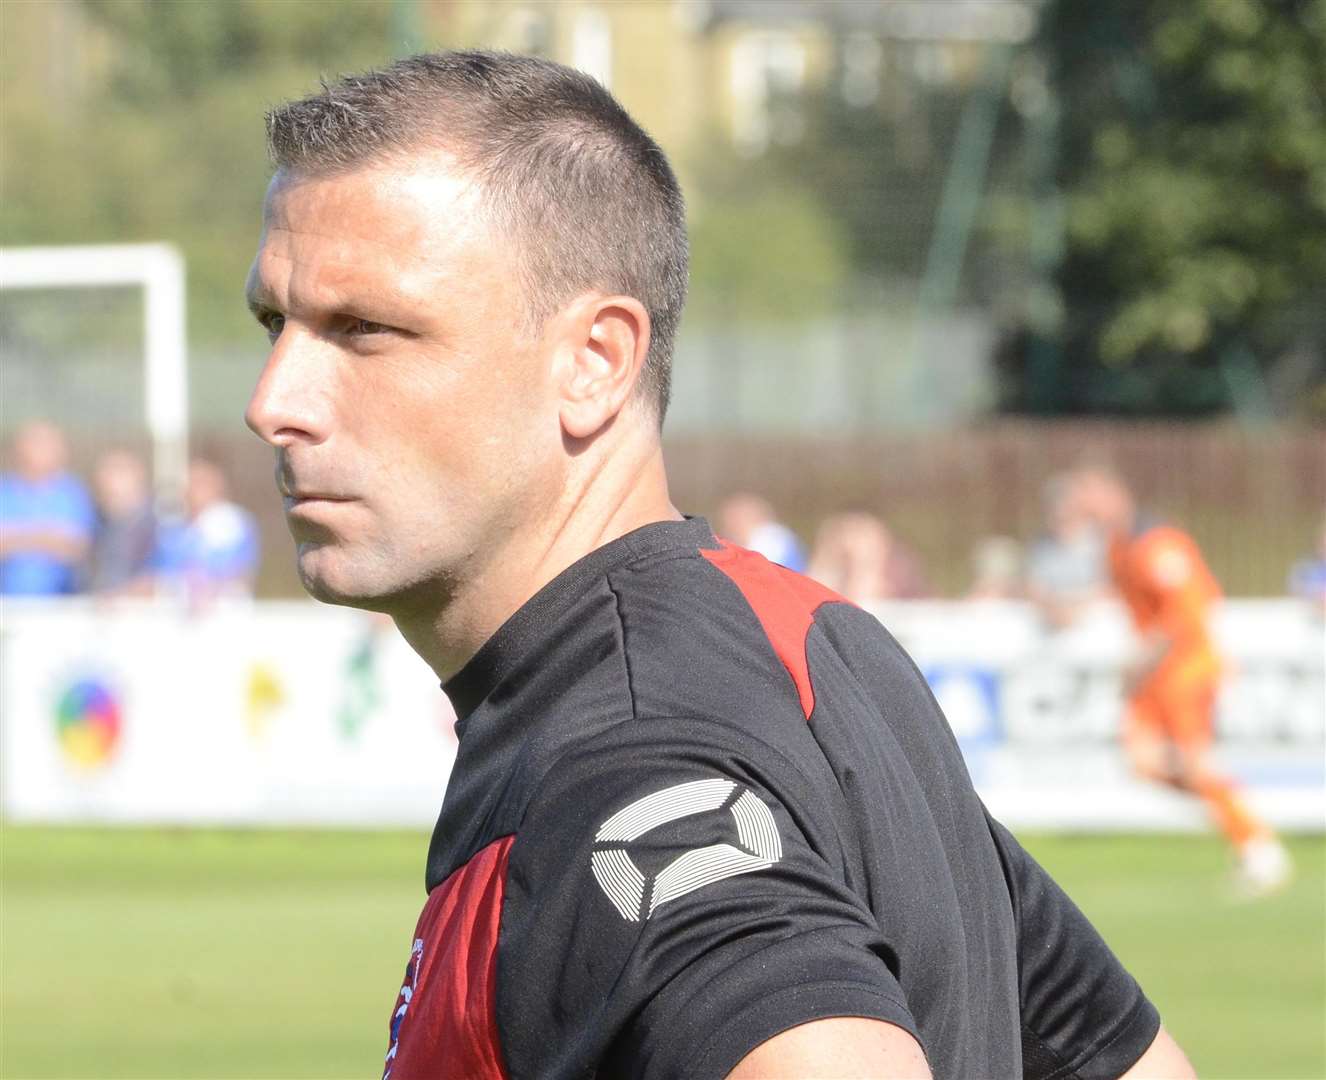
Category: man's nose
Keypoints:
(291, 403)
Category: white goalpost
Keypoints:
(159, 270)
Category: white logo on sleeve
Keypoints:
(757, 846)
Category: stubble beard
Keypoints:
(375, 580)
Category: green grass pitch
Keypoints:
(135, 953)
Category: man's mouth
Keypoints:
(293, 493)
(300, 497)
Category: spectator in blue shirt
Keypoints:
(1307, 578)
(214, 552)
(1067, 569)
(46, 517)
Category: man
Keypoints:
(1066, 572)
(214, 553)
(996, 570)
(1307, 577)
(858, 556)
(126, 536)
(1173, 680)
(46, 517)
(705, 819)
(749, 520)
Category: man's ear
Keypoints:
(604, 340)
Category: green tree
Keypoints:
(150, 126)
(1192, 171)
(762, 248)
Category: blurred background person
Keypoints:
(749, 521)
(46, 517)
(126, 532)
(1066, 569)
(1307, 577)
(215, 551)
(997, 570)
(857, 556)
(1172, 683)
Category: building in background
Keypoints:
(741, 69)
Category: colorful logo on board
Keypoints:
(89, 721)
(263, 698)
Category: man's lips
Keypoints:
(300, 497)
(294, 492)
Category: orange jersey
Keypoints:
(1168, 588)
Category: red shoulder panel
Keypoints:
(784, 602)
(444, 1026)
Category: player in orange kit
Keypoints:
(1172, 683)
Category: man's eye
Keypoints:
(366, 326)
(275, 324)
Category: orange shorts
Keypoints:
(1183, 713)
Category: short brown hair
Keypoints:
(586, 195)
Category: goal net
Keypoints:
(93, 339)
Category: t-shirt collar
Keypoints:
(502, 652)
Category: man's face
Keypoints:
(411, 409)
(121, 484)
(207, 486)
(1069, 514)
(39, 451)
(1103, 501)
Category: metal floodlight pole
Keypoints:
(159, 269)
(405, 28)
(960, 199)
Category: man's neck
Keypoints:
(605, 503)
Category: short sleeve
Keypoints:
(1083, 1015)
(672, 903)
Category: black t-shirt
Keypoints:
(699, 799)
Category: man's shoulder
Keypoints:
(679, 656)
(725, 634)
(740, 593)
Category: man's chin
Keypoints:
(324, 583)
(366, 581)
